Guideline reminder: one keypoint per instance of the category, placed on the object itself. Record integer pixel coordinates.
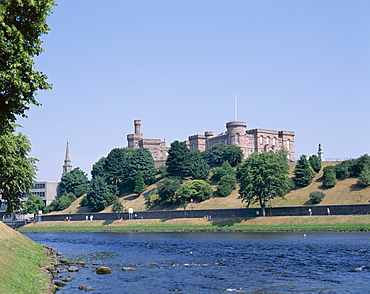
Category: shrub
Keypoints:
(219, 172)
(226, 186)
(315, 163)
(303, 172)
(364, 177)
(198, 190)
(154, 198)
(167, 189)
(317, 196)
(329, 177)
(341, 170)
(83, 202)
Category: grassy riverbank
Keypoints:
(19, 263)
(287, 223)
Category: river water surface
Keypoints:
(216, 262)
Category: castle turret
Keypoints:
(133, 139)
(67, 167)
(236, 132)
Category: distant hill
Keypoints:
(345, 192)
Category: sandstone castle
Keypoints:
(255, 140)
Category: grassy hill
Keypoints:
(345, 192)
(19, 262)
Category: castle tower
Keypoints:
(236, 132)
(67, 167)
(133, 139)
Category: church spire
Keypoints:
(67, 167)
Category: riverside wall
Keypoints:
(362, 209)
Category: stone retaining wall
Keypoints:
(220, 213)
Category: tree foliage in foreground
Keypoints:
(22, 23)
(17, 170)
(263, 175)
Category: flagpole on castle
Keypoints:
(236, 108)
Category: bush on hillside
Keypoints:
(317, 196)
(303, 172)
(315, 163)
(364, 177)
(341, 170)
(226, 185)
(329, 177)
(219, 172)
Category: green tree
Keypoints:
(358, 164)
(342, 170)
(115, 165)
(199, 168)
(22, 24)
(178, 163)
(234, 155)
(63, 202)
(219, 172)
(315, 163)
(226, 185)
(17, 170)
(140, 161)
(329, 179)
(33, 204)
(117, 206)
(99, 195)
(139, 183)
(316, 197)
(364, 177)
(98, 168)
(220, 153)
(154, 198)
(76, 179)
(263, 175)
(303, 172)
(167, 189)
(198, 190)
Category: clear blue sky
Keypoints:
(302, 66)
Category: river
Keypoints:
(216, 262)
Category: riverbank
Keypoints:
(21, 262)
(346, 223)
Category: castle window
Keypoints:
(274, 141)
(268, 140)
(155, 150)
(261, 140)
(288, 144)
(237, 138)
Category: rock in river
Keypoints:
(103, 270)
